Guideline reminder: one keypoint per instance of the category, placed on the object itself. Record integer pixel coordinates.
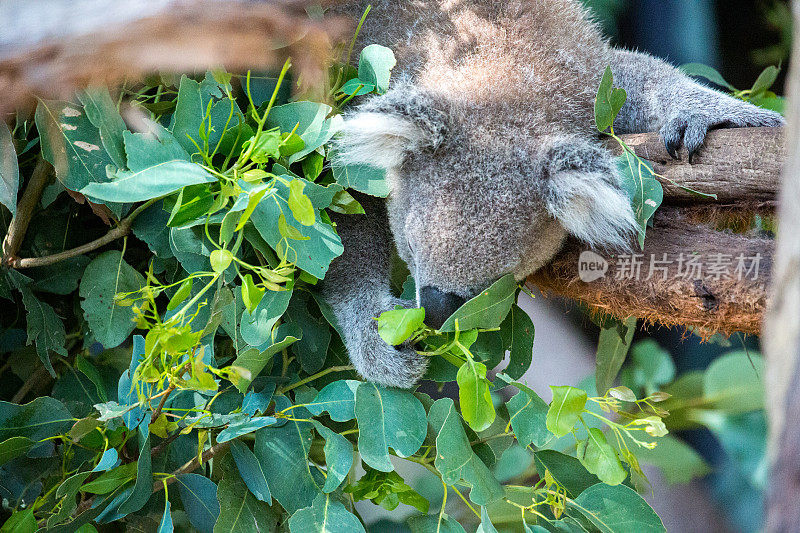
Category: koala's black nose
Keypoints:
(438, 305)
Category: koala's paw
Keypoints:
(689, 128)
(379, 362)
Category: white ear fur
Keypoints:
(377, 139)
(593, 210)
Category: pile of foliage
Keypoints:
(189, 375)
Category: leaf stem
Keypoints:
(318, 375)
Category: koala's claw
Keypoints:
(690, 129)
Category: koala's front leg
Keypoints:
(357, 288)
(660, 97)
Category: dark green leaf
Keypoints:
(363, 178)
(283, 455)
(9, 170)
(338, 399)
(388, 418)
(193, 202)
(396, 326)
(311, 119)
(338, 457)
(517, 333)
(616, 509)
(528, 417)
(324, 515)
(455, 459)
(107, 275)
(240, 512)
(612, 348)
(765, 80)
(199, 497)
(14, 447)
(474, 397)
(486, 310)
(152, 182)
(251, 471)
(704, 71)
(102, 113)
(565, 409)
(642, 187)
(434, 524)
(255, 359)
(566, 470)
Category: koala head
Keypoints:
(474, 196)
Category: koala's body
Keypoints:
(492, 157)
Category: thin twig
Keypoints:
(122, 229)
(25, 208)
(191, 465)
(34, 379)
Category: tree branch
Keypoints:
(742, 166)
(27, 204)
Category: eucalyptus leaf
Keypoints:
(486, 310)
(9, 170)
(565, 409)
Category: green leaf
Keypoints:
(251, 471)
(388, 418)
(362, 178)
(677, 461)
(474, 397)
(528, 417)
(240, 512)
(180, 295)
(154, 147)
(600, 458)
(9, 170)
(517, 332)
(313, 124)
(190, 113)
(251, 294)
(455, 459)
(267, 146)
(45, 328)
(220, 260)
(313, 254)
(111, 480)
(375, 66)
(651, 366)
(356, 87)
(14, 447)
(165, 526)
(103, 114)
(283, 455)
(704, 71)
(312, 349)
(72, 144)
(442, 523)
(344, 203)
(486, 525)
(312, 166)
(338, 457)
(609, 101)
(199, 497)
(396, 326)
(324, 515)
(254, 359)
(256, 327)
(21, 521)
(764, 81)
(107, 275)
(566, 470)
(338, 399)
(733, 383)
(616, 509)
(143, 487)
(612, 348)
(486, 310)
(565, 409)
(244, 426)
(193, 202)
(642, 187)
(152, 182)
(299, 203)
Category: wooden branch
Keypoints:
(676, 291)
(42, 173)
(738, 165)
(725, 286)
(50, 48)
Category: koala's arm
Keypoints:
(662, 98)
(357, 287)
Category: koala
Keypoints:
(491, 155)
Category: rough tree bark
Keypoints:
(728, 291)
(782, 328)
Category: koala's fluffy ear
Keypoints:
(382, 131)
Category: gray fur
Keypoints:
(491, 154)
